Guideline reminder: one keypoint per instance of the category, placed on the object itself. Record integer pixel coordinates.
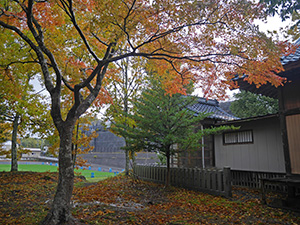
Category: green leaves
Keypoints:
(249, 104)
(162, 120)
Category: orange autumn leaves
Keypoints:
(122, 200)
(206, 42)
(25, 198)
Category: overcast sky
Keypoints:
(273, 23)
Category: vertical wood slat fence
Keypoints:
(213, 181)
(252, 179)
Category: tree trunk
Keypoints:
(133, 158)
(14, 153)
(61, 207)
(75, 146)
(168, 168)
(126, 161)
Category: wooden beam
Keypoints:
(282, 119)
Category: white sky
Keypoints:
(273, 23)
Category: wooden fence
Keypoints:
(252, 179)
(213, 181)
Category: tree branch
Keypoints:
(6, 66)
(69, 10)
(98, 39)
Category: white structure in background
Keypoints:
(5, 146)
(34, 152)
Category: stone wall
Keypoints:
(107, 149)
(117, 159)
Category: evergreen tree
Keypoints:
(249, 104)
(163, 121)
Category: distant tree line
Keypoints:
(248, 104)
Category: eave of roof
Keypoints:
(249, 119)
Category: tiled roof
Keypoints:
(292, 57)
(211, 106)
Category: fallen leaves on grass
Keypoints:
(132, 202)
(25, 198)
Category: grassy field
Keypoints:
(97, 175)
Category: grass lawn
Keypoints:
(98, 175)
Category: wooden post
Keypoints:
(189, 175)
(219, 178)
(227, 181)
(284, 135)
(180, 177)
(196, 178)
(203, 179)
(214, 179)
(208, 179)
(164, 175)
(171, 177)
(263, 194)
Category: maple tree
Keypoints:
(124, 87)
(75, 44)
(22, 109)
(24, 113)
(81, 141)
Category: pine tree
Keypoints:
(248, 104)
(163, 122)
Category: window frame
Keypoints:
(238, 142)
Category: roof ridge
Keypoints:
(207, 101)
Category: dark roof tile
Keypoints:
(292, 57)
(211, 106)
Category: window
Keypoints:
(239, 137)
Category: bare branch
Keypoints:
(98, 39)
(67, 84)
(130, 11)
(69, 10)
(6, 66)
(42, 48)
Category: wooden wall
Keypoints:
(291, 109)
(293, 132)
(265, 154)
(291, 93)
(193, 158)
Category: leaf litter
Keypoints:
(25, 198)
